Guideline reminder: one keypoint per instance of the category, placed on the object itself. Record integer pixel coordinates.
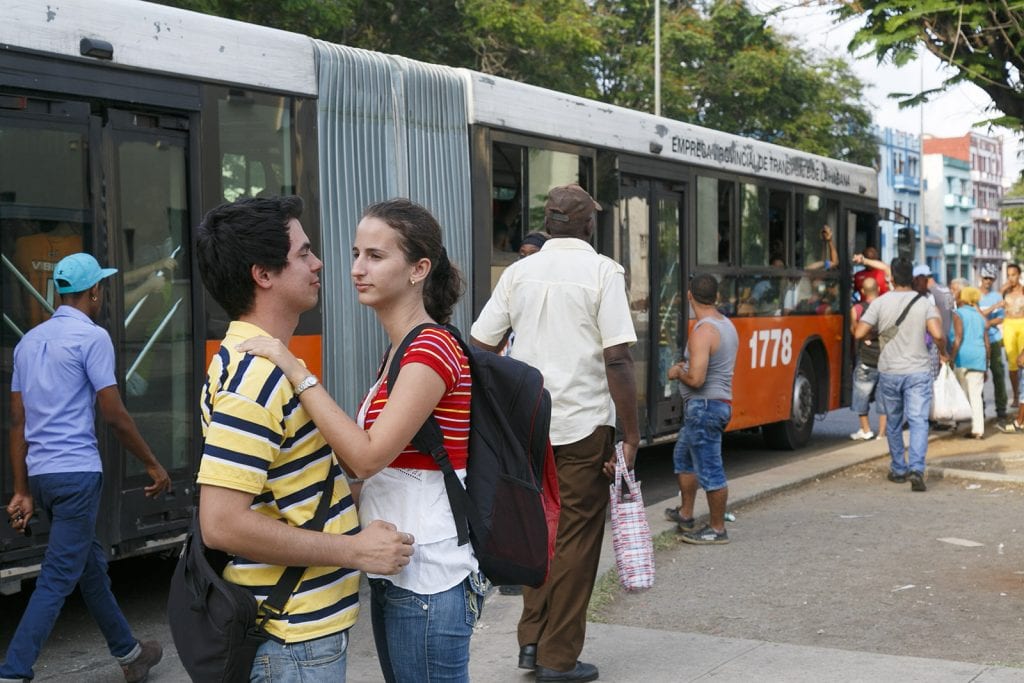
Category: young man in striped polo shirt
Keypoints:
(264, 461)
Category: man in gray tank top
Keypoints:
(706, 374)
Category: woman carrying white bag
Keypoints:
(970, 353)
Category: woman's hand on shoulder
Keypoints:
(277, 353)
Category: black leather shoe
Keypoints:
(582, 672)
(528, 656)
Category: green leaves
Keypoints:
(983, 41)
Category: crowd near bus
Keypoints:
(126, 128)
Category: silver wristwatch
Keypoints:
(309, 382)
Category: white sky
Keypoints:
(950, 114)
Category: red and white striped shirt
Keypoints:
(438, 350)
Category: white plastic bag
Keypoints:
(949, 402)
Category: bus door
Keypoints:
(651, 214)
(79, 176)
(45, 214)
(145, 160)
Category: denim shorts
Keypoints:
(699, 447)
(865, 379)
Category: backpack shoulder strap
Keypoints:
(430, 438)
(273, 606)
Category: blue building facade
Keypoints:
(899, 189)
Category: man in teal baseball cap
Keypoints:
(63, 371)
(78, 272)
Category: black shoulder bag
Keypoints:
(216, 625)
(889, 333)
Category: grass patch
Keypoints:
(607, 587)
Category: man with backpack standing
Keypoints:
(904, 375)
(569, 308)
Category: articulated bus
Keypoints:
(122, 122)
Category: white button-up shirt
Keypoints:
(566, 303)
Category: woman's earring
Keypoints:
(412, 283)
(93, 298)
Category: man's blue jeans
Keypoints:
(73, 556)
(424, 638)
(907, 397)
(322, 660)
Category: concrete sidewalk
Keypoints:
(627, 654)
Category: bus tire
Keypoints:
(794, 433)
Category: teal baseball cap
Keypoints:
(78, 272)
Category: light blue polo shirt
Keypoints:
(995, 333)
(58, 368)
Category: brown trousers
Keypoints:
(555, 615)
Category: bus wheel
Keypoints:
(795, 432)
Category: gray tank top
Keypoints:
(718, 381)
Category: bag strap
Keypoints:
(430, 439)
(907, 309)
(273, 606)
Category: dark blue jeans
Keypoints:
(907, 397)
(73, 556)
(424, 638)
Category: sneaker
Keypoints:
(1012, 427)
(897, 478)
(917, 481)
(137, 670)
(705, 536)
(861, 435)
(684, 523)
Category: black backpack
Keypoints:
(509, 506)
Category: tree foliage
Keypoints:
(1013, 239)
(722, 66)
(982, 40)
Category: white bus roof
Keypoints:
(167, 40)
(520, 107)
(177, 42)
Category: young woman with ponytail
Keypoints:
(423, 617)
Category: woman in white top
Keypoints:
(422, 617)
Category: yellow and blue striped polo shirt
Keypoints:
(259, 439)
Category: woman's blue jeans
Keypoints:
(424, 638)
(73, 556)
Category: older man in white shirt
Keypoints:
(569, 308)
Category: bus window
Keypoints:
(714, 221)
(814, 214)
(256, 149)
(516, 212)
(547, 169)
(635, 238)
(778, 225)
(755, 241)
(45, 209)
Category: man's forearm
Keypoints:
(622, 387)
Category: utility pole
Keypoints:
(657, 57)
(922, 257)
